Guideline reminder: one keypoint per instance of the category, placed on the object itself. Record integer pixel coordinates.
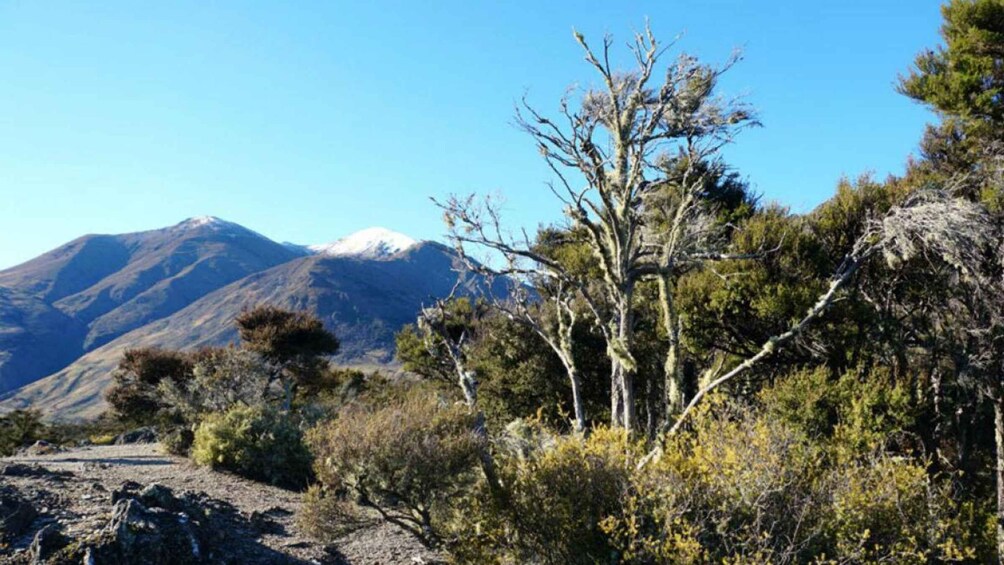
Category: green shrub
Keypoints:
(178, 441)
(220, 379)
(259, 443)
(557, 491)
(856, 414)
(406, 459)
(19, 428)
(133, 394)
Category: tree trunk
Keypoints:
(616, 402)
(580, 410)
(626, 336)
(674, 376)
(999, 438)
(469, 385)
(630, 411)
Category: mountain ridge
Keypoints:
(373, 283)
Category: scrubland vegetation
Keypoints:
(675, 372)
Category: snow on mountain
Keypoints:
(370, 243)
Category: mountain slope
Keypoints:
(364, 301)
(92, 290)
(168, 269)
(35, 338)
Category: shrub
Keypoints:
(178, 441)
(405, 459)
(742, 488)
(856, 414)
(19, 428)
(557, 491)
(736, 488)
(220, 379)
(102, 439)
(255, 442)
(888, 510)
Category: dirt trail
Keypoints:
(80, 500)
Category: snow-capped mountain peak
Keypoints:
(214, 225)
(211, 222)
(370, 243)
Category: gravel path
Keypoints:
(81, 499)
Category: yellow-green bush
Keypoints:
(736, 489)
(855, 414)
(557, 491)
(259, 443)
(888, 510)
(102, 439)
(407, 458)
(743, 488)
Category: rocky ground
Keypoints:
(132, 503)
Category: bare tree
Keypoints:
(608, 156)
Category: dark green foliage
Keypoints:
(284, 336)
(293, 344)
(963, 80)
(521, 376)
(965, 76)
(133, 394)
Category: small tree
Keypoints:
(292, 344)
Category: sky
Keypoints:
(306, 121)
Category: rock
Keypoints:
(139, 435)
(40, 447)
(46, 542)
(137, 534)
(16, 513)
(265, 524)
(22, 470)
(158, 496)
(126, 490)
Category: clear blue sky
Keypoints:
(307, 121)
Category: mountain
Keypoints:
(371, 243)
(99, 299)
(363, 301)
(35, 338)
(90, 291)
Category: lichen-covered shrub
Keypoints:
(220, 379)
(256, 442)
(406, 459)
